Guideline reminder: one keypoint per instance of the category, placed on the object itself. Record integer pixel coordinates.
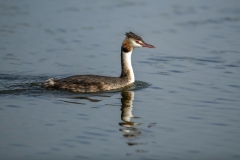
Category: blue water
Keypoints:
(185, 104)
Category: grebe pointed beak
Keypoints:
(147, 45)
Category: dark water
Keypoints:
(184, 105)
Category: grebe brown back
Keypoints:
(96, 83)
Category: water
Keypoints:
(185, 104)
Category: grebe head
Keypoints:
(136, 41)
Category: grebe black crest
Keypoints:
(96, 83)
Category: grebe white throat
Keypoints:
(127, 57)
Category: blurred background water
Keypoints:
(186, 103)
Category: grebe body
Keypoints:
(96, 83)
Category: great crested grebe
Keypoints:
(96, 83)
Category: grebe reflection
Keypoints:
(129, 129)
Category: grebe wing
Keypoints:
(87, 83)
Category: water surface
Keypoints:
(185, 104)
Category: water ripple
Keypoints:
(32, 86)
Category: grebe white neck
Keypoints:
(127, 69)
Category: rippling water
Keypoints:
(184, 105)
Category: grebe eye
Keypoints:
(137, 42)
